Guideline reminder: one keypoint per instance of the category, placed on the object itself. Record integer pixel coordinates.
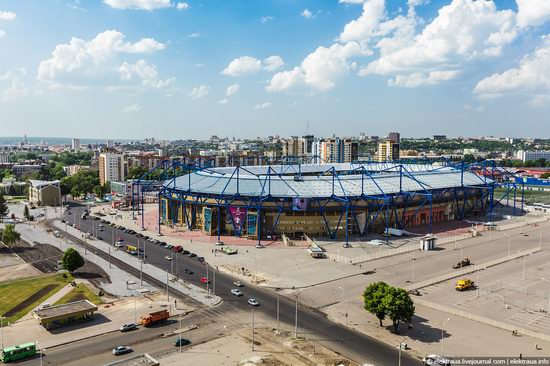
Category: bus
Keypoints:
(19, 352)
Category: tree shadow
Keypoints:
(419, 330)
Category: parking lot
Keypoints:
(504, 293)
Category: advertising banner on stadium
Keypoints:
(299, 204)
(238, 215)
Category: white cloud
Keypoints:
(241, 66)
(540, 101)
(194, 35)
(320, 69)
(262, 105)
(366, 25)
(351, 1)
(306, 14)
(131, 108)
(531, 75)
(144, 72)
(232, 89)
(266, 19)
(12, 85)
(7, 15)
(532, 12)
(139, 4)
(273, 63)
(183, 6)
(199, 92)
(97, 62)
(463, 31)
(420, 79)
(223, 101)
(2, 33)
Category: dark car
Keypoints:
(200, 259)
(185, 252)
(191, 255)
(128, 327)
(188, 271)
(181, 342)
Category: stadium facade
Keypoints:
(323, 200)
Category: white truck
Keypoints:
(393, 232)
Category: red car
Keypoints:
(177, 248)
(205, 280)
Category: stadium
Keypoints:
(323, 200)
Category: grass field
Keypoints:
(80, 292)
(19, 297)
(530, 196)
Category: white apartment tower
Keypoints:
(111, 168)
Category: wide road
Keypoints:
(311, 323)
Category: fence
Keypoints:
(483, 320)
(471, 269)
(518, 224)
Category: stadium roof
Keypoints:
(349, 182)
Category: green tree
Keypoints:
(76, 192)
(136, 172)
(26, 213)
(72, 260)
(9, 235)
(545, 176)
(399, 306)
(3, 207)
(373, 298)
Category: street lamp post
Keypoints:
(2, 333)
(278, 310)
(400, 347)
(442, 333)
(252, 329)
(296, 319)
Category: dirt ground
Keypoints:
(271, 349)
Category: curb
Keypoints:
(82, 339)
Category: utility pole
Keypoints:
(141, 273)
(135, 310)
(207, 280)
(252, 329)
(214, 281)
(180, 332)
(167, 293)
(296, 319)
(109, 257)
(277, 311)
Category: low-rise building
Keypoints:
(44, 193)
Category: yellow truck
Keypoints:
(464, 284)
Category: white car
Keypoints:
(168, 258)
(120, 350)
(376, 242)
(238, 284)
(119, 244)
(435, 360)
(253, 302)
(236, 292)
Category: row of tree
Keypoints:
(383, 300)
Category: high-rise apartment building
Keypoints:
(337, 150)
(394, 137)
(533, 155)
(388, 150)
(75, 144)
(111, 168)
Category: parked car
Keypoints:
(205, 280)
(128, 327)
(169, 246)
(176, 248)
(191, 255)
(188, 271)
(200, 259)
(168, 258)
(181, 342)
(185, 252)
(253, 302)
(238, 284)
(236, 292)
(121, 350)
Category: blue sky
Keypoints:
(246, 68)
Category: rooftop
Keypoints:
(65, 309)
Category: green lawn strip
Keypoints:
(80, 292)
(13, 293)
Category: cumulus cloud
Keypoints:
(12, 85)
(320, 69)
(7, 15)
(247, 65)
(82, 63)
(262, 105)
(533, 12)
(139, 4)
(306, 14)
(232, 89)
(531, 75)
(182, 6)
(351, 1)
(131, 108)
(223, 101)
(241, 66)
(273, 63)
(199, 92)
(366, 25)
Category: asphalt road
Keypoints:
(311, 323)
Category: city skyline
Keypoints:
(120, 69)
